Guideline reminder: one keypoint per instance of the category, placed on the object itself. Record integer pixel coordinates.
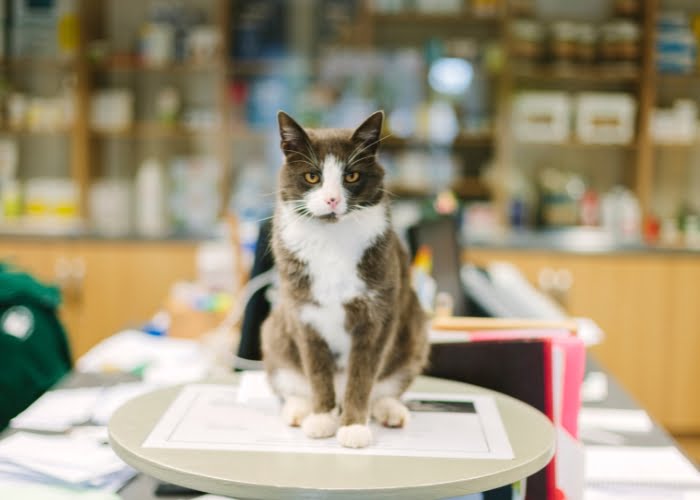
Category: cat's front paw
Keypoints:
(390, 412)
(320, 425)
(295, 410)
(355, 436)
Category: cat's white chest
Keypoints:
(332, 252)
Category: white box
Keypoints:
(605, 118)
(542, 117)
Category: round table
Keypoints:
(271, 475)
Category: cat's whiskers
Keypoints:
(390, 193)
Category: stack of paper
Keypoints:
(59, 410)
(25, 491)
(68, 461)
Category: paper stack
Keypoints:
(59, 410)
(62, 460)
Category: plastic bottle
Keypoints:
(151, 219)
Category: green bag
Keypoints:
(34, 352)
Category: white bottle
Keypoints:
(151, 220)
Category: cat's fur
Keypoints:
(347, 336)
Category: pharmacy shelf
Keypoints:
(463, 141)
(146, 131)
(681, 146)
(136, 66)
(576, 144)
(599, 75)
(458, 18)
(57, 132)
(38, 63)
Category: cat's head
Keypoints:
(330, 173)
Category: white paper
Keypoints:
(115, 396)
(594, 388)
(617, 492)
(639, 465)
(615, 420)
(65, 459)
(210, 417)
(58, 410)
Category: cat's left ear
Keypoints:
(293, 138)
(368, 134)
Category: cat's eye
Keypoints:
(311, 177)
(352, 177)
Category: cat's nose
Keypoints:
(332, 202)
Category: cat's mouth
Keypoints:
(330, 217)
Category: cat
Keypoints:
(347, 335)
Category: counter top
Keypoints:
(582, 241)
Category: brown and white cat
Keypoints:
(347, 335)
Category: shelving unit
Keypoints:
(368, 30)
(635, 169)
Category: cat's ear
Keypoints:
(292, 135)
(368, 134)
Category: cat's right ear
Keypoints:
(292, 135)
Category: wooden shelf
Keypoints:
(128, 66)
(437, 18)
(676, 145)
(682, 78)
(465, 188)
(462, 141)
(36, 133)
(39, 63)
(575, 144)
(147, 131)
(574, 74)
(257, 66)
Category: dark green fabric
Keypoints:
(31, 359)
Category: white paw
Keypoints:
(295, 410)
(320, 425)
(354, 436)
(390, 412)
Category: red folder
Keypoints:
(543, 368)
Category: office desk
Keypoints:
(143, 486)
(310, 475)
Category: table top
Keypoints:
(293, 475)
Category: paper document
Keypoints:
(639, 493)
(612, 419)
(28, 491)
(212, 417)
(61, 460)
(639, 465)
(57, 411)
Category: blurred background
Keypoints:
(139, 152)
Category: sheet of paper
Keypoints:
(115, 396)
(594, 388)
(615, 420)
(29, 491)
(58, 410)
(639, 465)
(442, 425)
(639, 493)
(62, 458)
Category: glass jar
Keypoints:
(528, 39)
(564, 41)
(586, 43)
(628, 35)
